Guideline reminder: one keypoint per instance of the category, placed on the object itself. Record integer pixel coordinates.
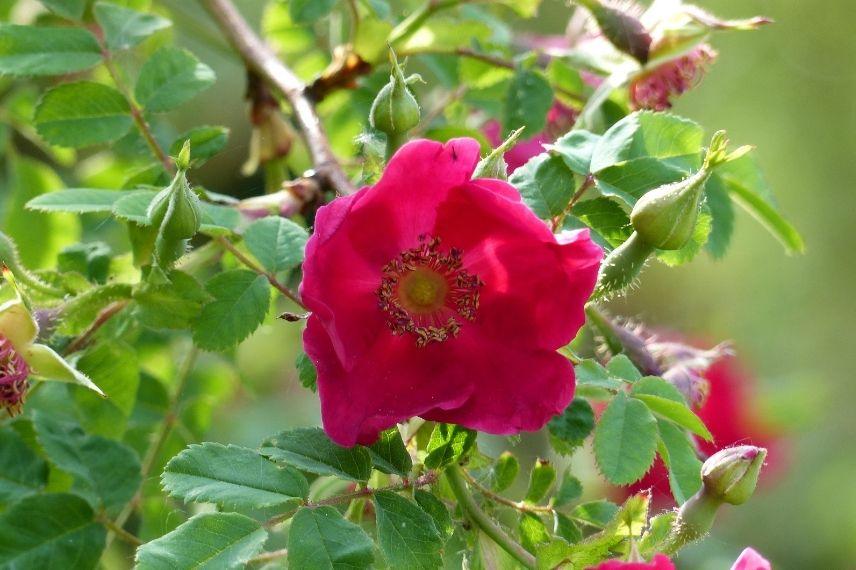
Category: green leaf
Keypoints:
(505, 471)
(92, 260)
(106, 472)
(532, 531)
(570, 489)
(241, 300)
(232, 477)
(722, 217)
(216, 219)
(445, 34)
(606, 218)
(42, 50)
(309, 449)
(173, 305)
(113, 366)
(659, 529)
(546, 185)
(576, 149)
(82, 114)
(596, 513)
(79, 312)
(277, 243)
(22, 471)
(205, 142)
(749, 188)
(572, 426)
(50, 531)
(620, 366)
(567, 528)
(448, 444)
(307, 11)
(523, 8)
(438, 510)
(320, 539)
(306, 372)
(527, 103)
(407, 534)
(541, 478)
(209, 540)
(630, 180)
(390, 455)
(647, 134)
(170, 78)
(71, 9)
(125, 28)
(625, 440)
(590, 373)
(680, 458)
(666, 401)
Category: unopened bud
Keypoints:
(182, 161)
(623, 30)
(731, 474)
(493, 165)
(176, 214)
(395, 110)
(541, 478)
(666, 217)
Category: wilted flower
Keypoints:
(438, 296)
(658, 562)
(749, 559)
(656, 89)
(20, 357)
(272, 136)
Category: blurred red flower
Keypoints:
(659, 562)
(560, 119)
(438, 296)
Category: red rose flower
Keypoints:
(559, 120)
(438, 296)
(749, 559)
(659, 562)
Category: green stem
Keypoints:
(482, 520)
(394, 141)
(694, 521)
(621, 267)
(415, 20)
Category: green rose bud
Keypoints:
(395, 110)
(493, 165)
(176, 214)
(731, 474)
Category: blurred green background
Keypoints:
(789, 89)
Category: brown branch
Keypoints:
(250, 264)
(85, 337)
(259, 57)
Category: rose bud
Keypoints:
(395, 110)
(622, 29)
(731, 474)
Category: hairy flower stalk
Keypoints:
(728, 476)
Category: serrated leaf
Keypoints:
(448, 444)
(438, 510)
(82, 114)
(50, 531)
(527, 103)
(676, 412)
(533, 532)
(309, 449)
(205, 142)
(390, 455)
(22, 471)
(42, 50)
(232, 477)
(277, 243)
(590, 373)
(307, 11)
(505, 471)
(656, 386)
(659, 529)
(570, 489)
(173, 305)
(125, 28)
(208, 540)
(721, 209)
(625, 440)
(106, 472)
(407, 534)
(320, 539)
(747, 186)
(241, 300)
(576, 149)
(621, 366)
(567, 528)
(71, 9)
(546, 185)
(79, 312)
(681, 460)
(573, 425)
(596, 513)
(541, 478)
(170, 78)
(113, 366)
(91, 260)
(606, 218)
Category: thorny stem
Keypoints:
(259, 57)
(422, 481)
(136, 112)
(250, 264)
(169, 420)
(482, 520)
(497, 498)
